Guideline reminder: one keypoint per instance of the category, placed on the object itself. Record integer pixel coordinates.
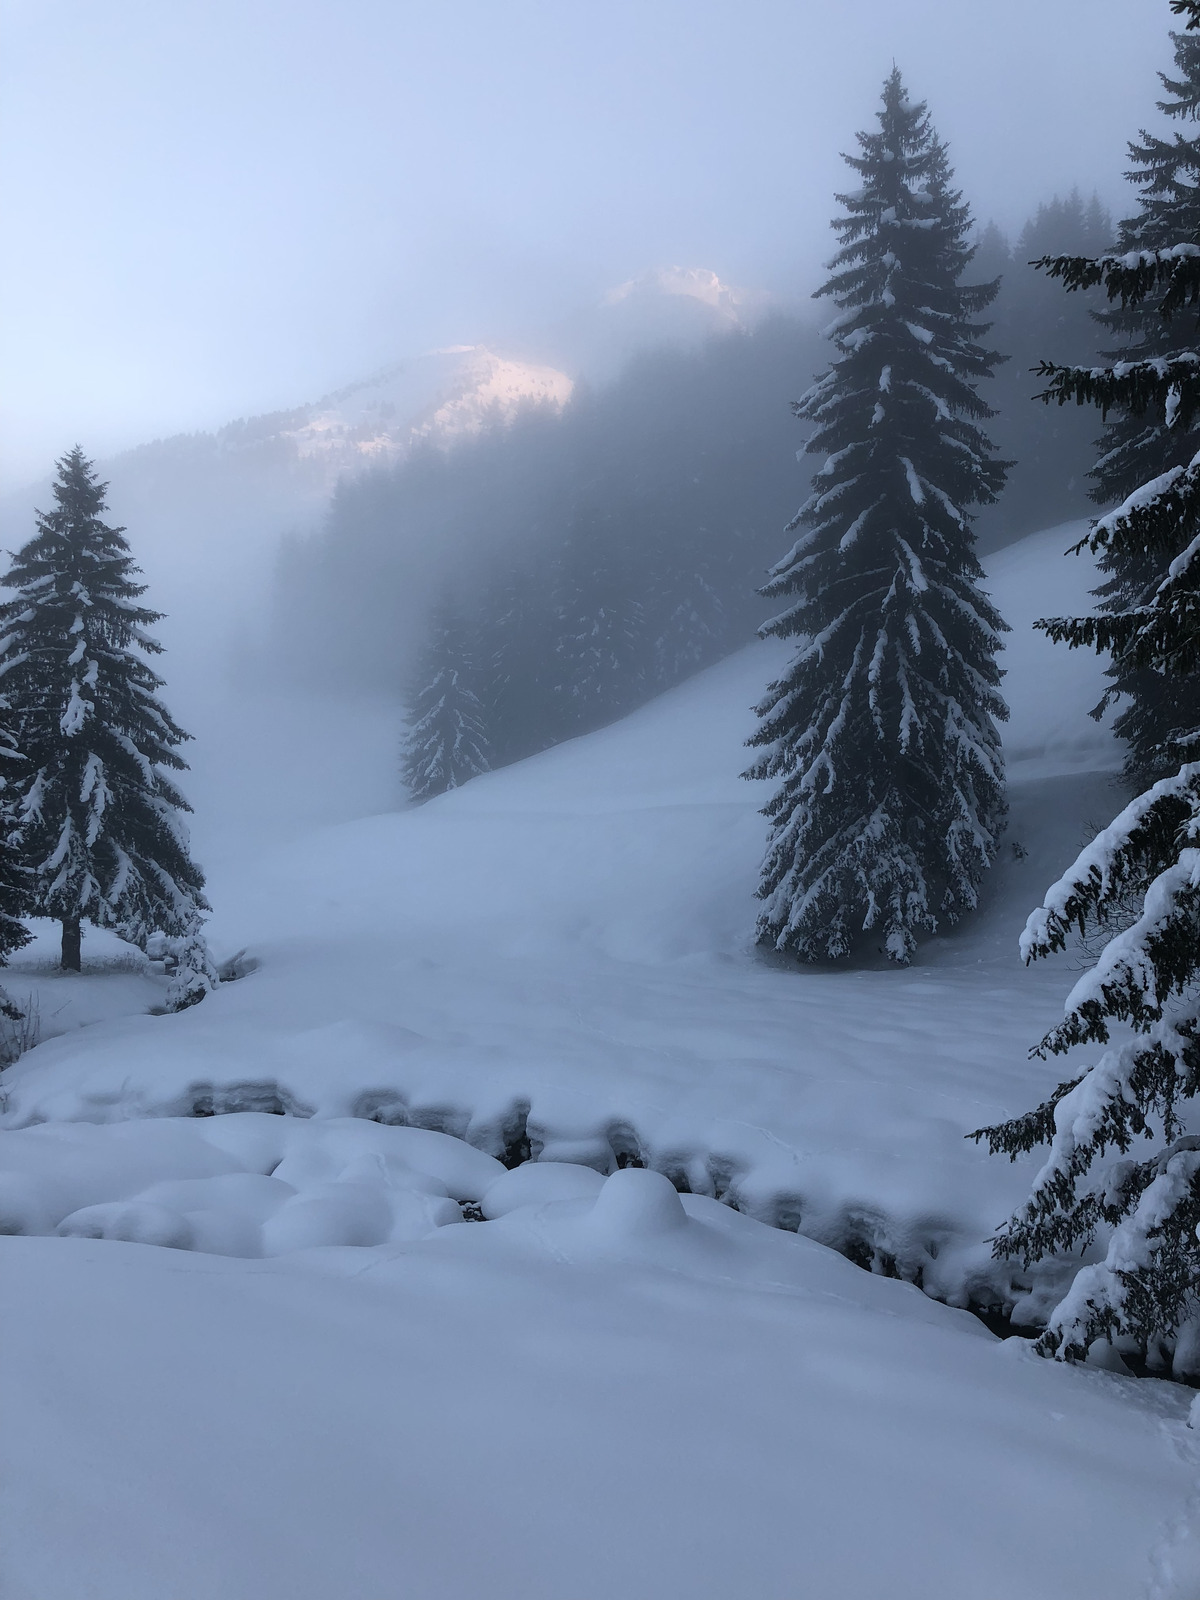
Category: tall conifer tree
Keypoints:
(1160, 721)
(883, 730)
(100, 821)
(1143, 1086)
(446, 743)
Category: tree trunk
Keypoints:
(70, 946)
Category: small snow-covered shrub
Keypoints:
(19, 1030)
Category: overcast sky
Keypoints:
(216, 207)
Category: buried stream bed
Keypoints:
(933, 1254)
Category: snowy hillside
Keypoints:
(439, 395)
(602, 1387)
(207, 509)
(560, 953)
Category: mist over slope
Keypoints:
(209, 512)
(239, 533)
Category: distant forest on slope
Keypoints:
(591, 558)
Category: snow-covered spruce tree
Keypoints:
(446, 742)
(1147, 978)
(1159, 720)
(100, 822)
(883, 729)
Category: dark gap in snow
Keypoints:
(722, 1175)
(996, 1319)
(383, 1106)
(626, 1147)
(205, 1101)
(858, 1251)
(516, 1148)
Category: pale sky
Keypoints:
(217, 207)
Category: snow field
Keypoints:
(630, 1392)
(556, 960)
(331, 1383)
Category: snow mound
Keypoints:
(636, 1204)
(540, 1183)
(247, 1184)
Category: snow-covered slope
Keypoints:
(267, 473)
(561, 952)
(207, 511)
(268, 1359)
(439, 395)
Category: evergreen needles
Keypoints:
(446, 743)
(1159, 720)
(883, 730)
(99, 822)
(1147, 977)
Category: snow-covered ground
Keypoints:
(561, 953)
(264, 1356)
